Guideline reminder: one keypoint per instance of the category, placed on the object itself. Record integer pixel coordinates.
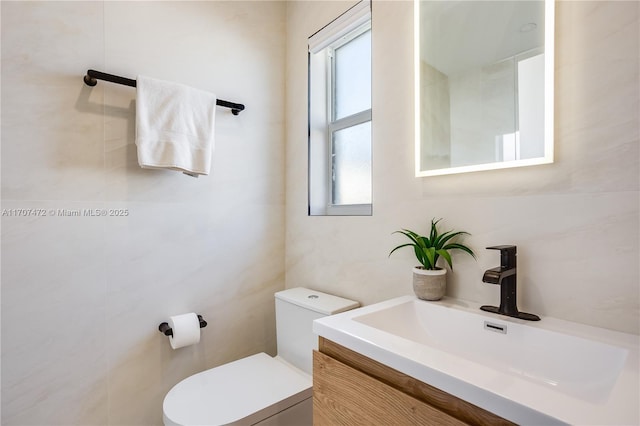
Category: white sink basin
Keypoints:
(583, 368)
(546, 372)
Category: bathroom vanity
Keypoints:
(408, 361)
(350, 388)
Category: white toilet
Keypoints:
(260, 389)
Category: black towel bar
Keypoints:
(92, 77)
(167, 331)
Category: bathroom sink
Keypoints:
(548, 372)
(584, 368)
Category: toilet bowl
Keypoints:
(243, 392)
(260, 389)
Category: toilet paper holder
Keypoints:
(167, 331)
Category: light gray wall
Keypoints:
(575, 222)
(82, 297)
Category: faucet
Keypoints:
(505, 276)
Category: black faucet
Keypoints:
(505, 276)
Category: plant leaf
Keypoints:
(424, 242)
(441, 239)
(434, 231)
(430, 254)
(400, 246)
(449, 235)
(421, 256)
(409, 234)
(446, 256)
(458, 246)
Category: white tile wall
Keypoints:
(575, 222)
(82, 297)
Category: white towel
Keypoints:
(174, 126)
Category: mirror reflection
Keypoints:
(484, 74)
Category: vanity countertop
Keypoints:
(546, 372)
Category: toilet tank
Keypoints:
(296, 308)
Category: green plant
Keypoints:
(429, 249)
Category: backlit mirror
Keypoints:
(484, 85)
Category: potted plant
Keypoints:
(429, 280)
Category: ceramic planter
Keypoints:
(429, 284)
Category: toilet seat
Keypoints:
(247, 391)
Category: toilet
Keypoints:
(260, 389)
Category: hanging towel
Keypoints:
(174, 126)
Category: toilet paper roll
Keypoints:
(186, 330)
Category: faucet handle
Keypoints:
(508, 255)
(503, 247)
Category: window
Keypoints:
(340, 115)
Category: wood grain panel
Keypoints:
(443, 401)
(345, 396)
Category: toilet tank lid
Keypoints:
(317, 301)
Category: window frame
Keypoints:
(334, 125)
(347, 33)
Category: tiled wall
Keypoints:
(82, 296)
(575, 222)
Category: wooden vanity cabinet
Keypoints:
(351, 389)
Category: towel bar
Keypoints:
(92, 77)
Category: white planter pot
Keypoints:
(429, 284)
